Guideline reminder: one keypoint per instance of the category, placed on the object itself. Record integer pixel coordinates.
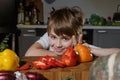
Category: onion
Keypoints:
(34, 76)
(7, 75)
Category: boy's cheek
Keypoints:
(67, 44)
(51, 41)
(51, 44)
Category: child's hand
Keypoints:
(79, 41)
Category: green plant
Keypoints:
(4, 43)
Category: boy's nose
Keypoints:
(58, 43)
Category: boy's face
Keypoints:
(59, 43)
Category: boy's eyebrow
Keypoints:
(66, 36)
(52, 34)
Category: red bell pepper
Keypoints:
(69, 58)
(51, 61)
(54, 62)
(42, 59)
(47, 62)
(59, 63)
(40, 65)
(24, 67)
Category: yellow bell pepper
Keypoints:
(9, 61)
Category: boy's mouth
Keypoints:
(59, 50)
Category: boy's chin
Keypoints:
(59, 53)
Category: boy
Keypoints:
(64, 29)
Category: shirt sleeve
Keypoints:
(44, 41)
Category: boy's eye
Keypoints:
(66, 38)
(52, 37)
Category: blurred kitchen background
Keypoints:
(104, 8)
(38, 11)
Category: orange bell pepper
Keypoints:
(84, 53)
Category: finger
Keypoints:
(80, 39)
(74, 40)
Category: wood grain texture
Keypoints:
(78, 72)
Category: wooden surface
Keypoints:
(78, 72)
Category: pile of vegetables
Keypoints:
(9, 64)
(9, 61)
(71, 57)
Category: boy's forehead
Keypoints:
(52, 32)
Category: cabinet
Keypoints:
(106, 37)
(88, 35)
(27, 37)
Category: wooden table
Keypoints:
(79, 72)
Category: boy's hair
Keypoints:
(68, 21)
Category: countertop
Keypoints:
(20, 26)
(79, 72)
